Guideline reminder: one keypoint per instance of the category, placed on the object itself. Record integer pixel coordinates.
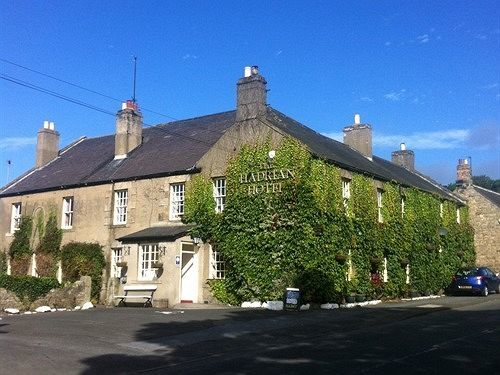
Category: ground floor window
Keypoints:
(149, 256)
(217, 265)
(116, 258)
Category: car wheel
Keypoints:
(497, 290)
(485, 291)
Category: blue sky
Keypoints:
(426, 73)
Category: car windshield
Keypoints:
(468, 272)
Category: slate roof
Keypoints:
(176, 147)
(155, 233)
(344, 156)
(489, 194)
(167, 149)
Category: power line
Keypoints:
(81, 87)
(90, 106)
(53, 93)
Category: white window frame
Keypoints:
(458, 215)
(15, 218)
(67, 213)
(219, 186)
(346, 193)
(379, 205)
(116, 257)
(148, 254)
(441, 209)
(217, 265)
(177, 200)
(403, 206)
(120, 207)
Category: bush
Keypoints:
(83, 259)
(28, 287)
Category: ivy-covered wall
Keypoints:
(298, 233)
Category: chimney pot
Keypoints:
(403, 157)
(357, 119)
(248, 71)
(402, 146)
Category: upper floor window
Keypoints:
(441, 210)
(15, 219)
(121, 202)
(67, 213)
(346, 192)
(217, 264)
(403, 202)
(176, 201)
(458, 215)
(379, 206)
(220, 194)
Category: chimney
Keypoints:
(359, 137)
(464, 172)
(251, 95)
(128, 129)
(47, 146)
(404, 158)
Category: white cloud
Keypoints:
(366, 99)
(447, 139)
(387, 44)
(188, 56)
(489, 86)
(396, 96)
(435, 140)
(279, 52)
(423, 38)
(480, 36)
(15, 143)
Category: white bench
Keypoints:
(137, 292)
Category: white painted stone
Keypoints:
(329, 306)
(53, 310)
(10, 310)
(305, 307)
(87, 305)
(78, 307)
(63, 309)
(256, 304)
(274, 305)
(246, 304)
(43, 309)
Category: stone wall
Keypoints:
(485, 219)
(75, 294)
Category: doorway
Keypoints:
(189, 273)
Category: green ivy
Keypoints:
(302, 235)
(28, 287)
(20, 246)
(83, 259)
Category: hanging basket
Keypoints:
(121, 264)
(157, 265)
(404, 262)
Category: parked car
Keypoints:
(475, 280)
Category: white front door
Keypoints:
(189, 273)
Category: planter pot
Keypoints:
(121, 264)
(350, 299)
(157, 265)
(360, 298)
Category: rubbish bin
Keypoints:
(291, 299)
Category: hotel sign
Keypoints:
(265, 181)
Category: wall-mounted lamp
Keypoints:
(162, 250)
(126, 251)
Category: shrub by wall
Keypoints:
(20, 248)
(83, 259)
(48, 249)
(28, 288)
